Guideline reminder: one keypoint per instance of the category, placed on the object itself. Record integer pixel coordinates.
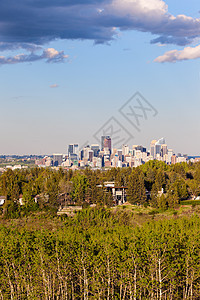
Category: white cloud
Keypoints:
(51, 52)
(142, 6)
(179, 55)
(51, 55)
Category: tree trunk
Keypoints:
(108, 270)
(160, 279)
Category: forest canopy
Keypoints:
(100, 255)
(154, 183)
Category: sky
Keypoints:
(71, 71)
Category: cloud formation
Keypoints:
(32, 23)
(175, 55)
(50, 55)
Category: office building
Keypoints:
(103, 137)
(152, 149)
(125, 150)
(70, 149)
(173, 159)
(57, 159)
(96, 150)
(119, 153)
(163, 150)
(90, 155)
(107, 144)
(76, 149)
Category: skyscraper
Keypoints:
(170, 154)
(70, 149)
(90, 155)
(76, 149)
(86, 152)
(95, 148)
(103, 137)
(155, 147)
(119, 153)
(107, 143)
(163, 150)
(158, 145)
(125, 150)
(152, 148)
(73, 149)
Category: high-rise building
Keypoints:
(158, 145)
(163, 150)
(107, 143)
(125, 150)
(152, 149)
(119, 153)
(76, 149)
(90, 155)
(170, 153)
(103, 137)
(155, 147)
(86, 152)
(73, 149)
(95, 148)
(70, 149)
(57, 159)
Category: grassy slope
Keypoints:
(135, 215)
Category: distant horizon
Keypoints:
(65, 153)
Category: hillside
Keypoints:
(119, 253)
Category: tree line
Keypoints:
(178, 182)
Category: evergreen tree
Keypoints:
(154, 199)
(136, 193)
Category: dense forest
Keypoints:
(103, 252)
(81, 187)
(99, 254)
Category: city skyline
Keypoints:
(105, 155)
(64, 77)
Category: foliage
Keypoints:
(100, 255)
(155, 183)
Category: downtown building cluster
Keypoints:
(104, 155)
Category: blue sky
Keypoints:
(66, 69)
